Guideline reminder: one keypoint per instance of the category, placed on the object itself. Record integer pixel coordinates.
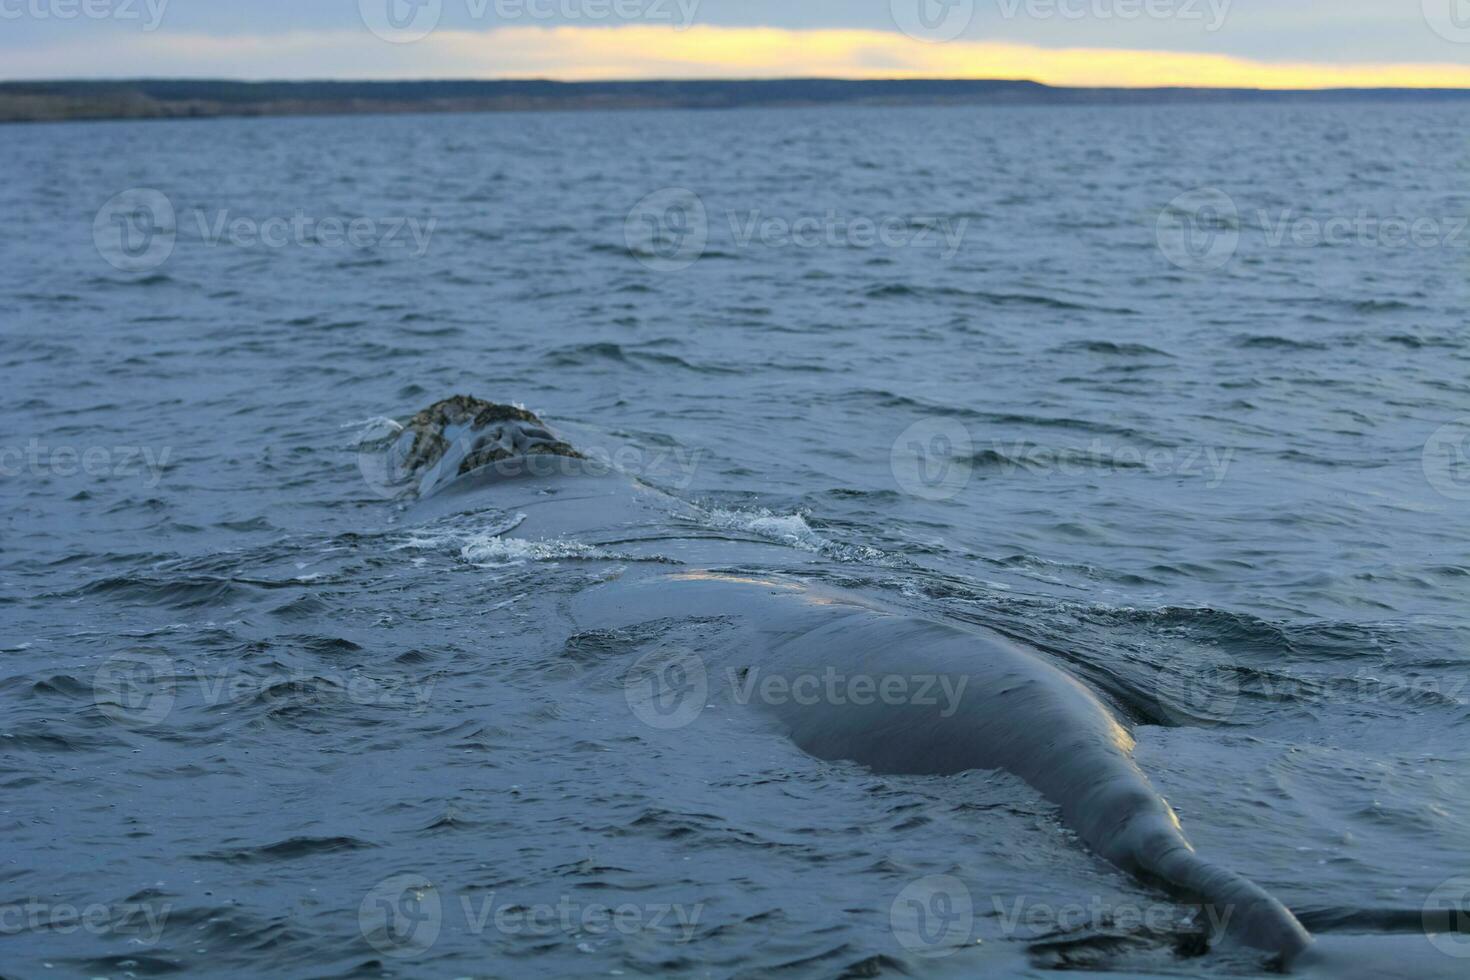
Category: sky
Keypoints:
(1265, 43)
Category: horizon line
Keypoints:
(701, 51)
(706, 80)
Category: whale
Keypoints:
(992, 703)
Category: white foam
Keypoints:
(374, 427)
(483, 544)
(791, 530)
(452, 536)
(489, 550)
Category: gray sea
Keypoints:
(1179, 395)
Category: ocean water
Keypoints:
(1178, 395)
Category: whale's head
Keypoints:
(463, 435)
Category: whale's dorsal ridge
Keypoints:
(461, 434)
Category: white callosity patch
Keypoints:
(446, 441)
(499, 440)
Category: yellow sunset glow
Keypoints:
(641, 51)
(648, 51)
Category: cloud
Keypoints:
(658, 51)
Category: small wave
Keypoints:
(1416, 342)
(1041, 459)
(1273, 342)
(580, 355)
(155, 279)
(178, 593)
(1381, 306)
(286, 850)
(1113, 348)
(899, 290)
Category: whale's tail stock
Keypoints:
(1232, 903)
(1122, 817)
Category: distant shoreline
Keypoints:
(205, 98)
